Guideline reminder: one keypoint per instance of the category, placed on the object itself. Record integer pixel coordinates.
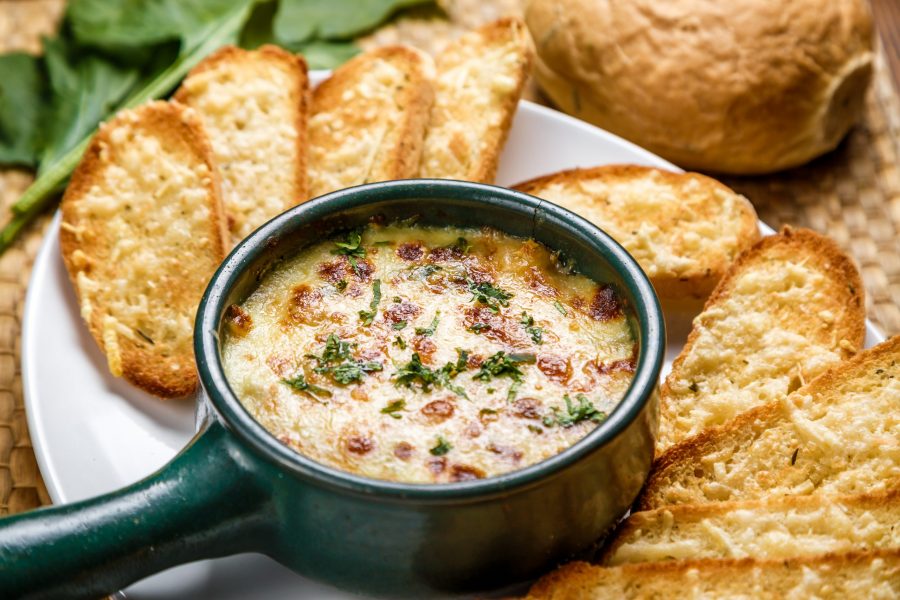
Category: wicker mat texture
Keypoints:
(852, 194)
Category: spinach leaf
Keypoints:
(301, 20)
(86, 88)
(21, 107)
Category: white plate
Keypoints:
(93, 433)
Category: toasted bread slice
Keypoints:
(142, 233)
(789, 308)
(873, 574)
(685, 229)
(255, 108)
(778, 527)
(368, 119)
(840, 434)
(480, 81)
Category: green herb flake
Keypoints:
(429, 331)
(442, 447)
(347, 370)
(341, 285)
(562, 309)
(399, 325)
(575, 413)
(489, 295)
(352, 249)
(393, 408)
(535, 429)
(477, 328)
(367, 316)
(536, 333)
(414, 372)
(399, 342)
(384, 243)
(299, 383)
(501, 364)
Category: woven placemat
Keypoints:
(853, 195)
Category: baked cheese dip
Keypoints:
(424, 354)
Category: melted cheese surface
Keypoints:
(460, 370)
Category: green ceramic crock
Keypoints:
(235, 488)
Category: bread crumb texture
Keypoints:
(789, 309)
(840, 434)
(368, 119)
(873, 574)
(685, 229)
(479, 82)
(141, 235)
(779, 527)
(254, 109)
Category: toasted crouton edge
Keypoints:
(486, 170)
(414, 102)
(696, 512)
(852, 328)
(293, 62)
(170, 119)
(697, 285)
(684, 455)
(581, 576)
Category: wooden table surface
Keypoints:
(886, 14)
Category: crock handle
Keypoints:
(205, 503)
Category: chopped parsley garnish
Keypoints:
(479, 327)
(299, 383)
(575, 413)
(348, 370)
(341, 285)
(352, 249)
(399, 325)
(562, 309)
(414, 372)
(429, 331)
(384, 243)
(367, 316)
(399, 342)
(500, 365)
(489, 295)
(393, 408)
(536, 333)
(535, 429)
(442, 447)
(486, 412)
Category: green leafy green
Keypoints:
(299, 383)
(399, 342)
(399, 325)
(352, 249)
(22, 87)
(301, 20)
(562, 309)
(503, 365)
(367, 316)
(575, 413)
(393, 408)
(429, 331)
(414, 372)
(489, 295)
(337, 361)
(85, 91)
(442, 447)
(536, 333)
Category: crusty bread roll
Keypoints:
(745, 86)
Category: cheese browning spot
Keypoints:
(423, 354)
